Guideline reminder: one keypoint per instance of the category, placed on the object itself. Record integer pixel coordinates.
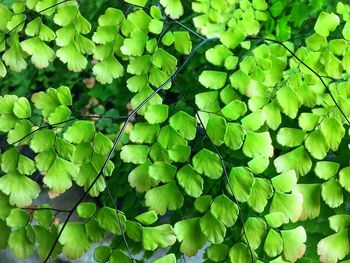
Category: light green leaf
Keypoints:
(254, 120)
(217, 252)
(164, 198)
(208, 163)
(242, 181)
(311, 200)
(162, 171)
(288, 204)
(136, 154)
(326, 170)
(240, 253)
(19, 133)
(255, 229)
(17, 218)
(217, 55)
(234, 136)
(166, 259)
(179, 153)
(156, 113)
(212, 228)
(19, 243)
(326, 23)
(182, 42)
(189, 233)
(261, 192)
(108, 70)
(285, 182)
(185, 124)
(208, 101)
(273, 245)
(216, 129)
(137, 2)
(159, 236)
(190, 181)
(258, 144)
(234, 109)
(202, 203)
(232, 39)
(225, 210)
(74, 240)
(144, 132)
(71, 56)
(139, 178)
(333, 132)
(9, 160)
(25, 165)
(332, 193)
(41, 53)
(344, 178)
(334, 247)
(80, 131)
(111, 220)
(290, 137)
(316, 144)
(20, 189)
(147, 218)
(288, 106)
(297, 160)
(86, 209)
(339, 222)
(102, 253)
(213, 79)
(276, 219)
(22, 109)
(173, 8)
(169, 137)
(293, 243)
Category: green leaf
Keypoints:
(261, 192)
(293, 243)
(71, 56)
(102, 253)
(273, 245)
(102, 144)
(44, 216)
(173, 8)
(255, 229)
(326, 170)
(162, 171)
(316, 144)
(61, 114)
(111, 220)
(213, 79)
(108, 70)
(225, 210)
(333, 132)
(182, 42)
(134, 230)
(179, 153)
(22, 109)
(164, 198)
(167, 259)
(17, 218)
(234, 109)
(60, 174)
(208, 163)
(86, 209)
(202, 203)
(216, 129)
(185, 124)
(156, 26)
(41, 53)
(334, 247)
(136, 154)
(158, 236)
(240, 253)
(217, 55)
(288, 204)
(20, 132)
(311, 200)
(156, 113)
(169, 137)
(217, 252)
(326, 23)
(288, 106)
(19, 243)
(5, 233)
(344, 178)
(276, 219)
(80, 131)
(9, 160)
(258, 144)
(231, 39)
(212, 228)
(119, 256)
(189, 233)
(74, 240)
(332, 193)
(285, 182)
(242, 181)
(208, 101)
(254, 120)
(234, 136)
(147, 218)
(20, 189)
(139, 178)
(259, 164)
(190, 181)
(339, 222)
(144, 132)
(297, 160)
(141, 3)
(290, 137)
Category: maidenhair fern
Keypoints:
(235, 142)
